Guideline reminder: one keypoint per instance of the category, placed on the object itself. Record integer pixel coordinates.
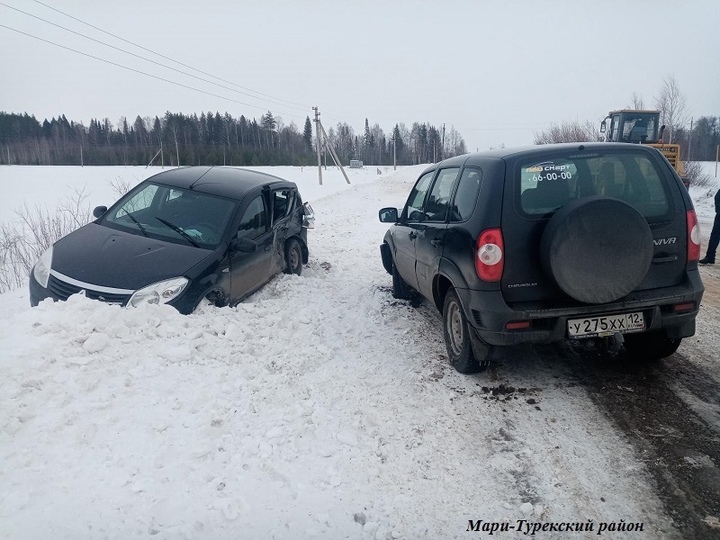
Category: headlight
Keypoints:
(41, 270)
(161, 292)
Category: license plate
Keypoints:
(606, 325)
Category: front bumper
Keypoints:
(61, 287)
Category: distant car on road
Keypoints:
(551, 242)
(179, 237)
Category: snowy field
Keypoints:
(318, 408)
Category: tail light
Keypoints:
(490, 255)
(693, 232)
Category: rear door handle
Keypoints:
(412, 235)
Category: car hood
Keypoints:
(99, 255)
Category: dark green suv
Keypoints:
(551, 242)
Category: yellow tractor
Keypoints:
(643, 127)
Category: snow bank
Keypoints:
(319, 408)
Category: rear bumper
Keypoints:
(488, 314)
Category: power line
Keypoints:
(167, 57)
(276, 102)
(271, 99)
(139, 71)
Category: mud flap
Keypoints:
(483, 352)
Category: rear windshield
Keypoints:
(548, 184)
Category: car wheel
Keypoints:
(293, 257)
(217, 298)
(650, 345)
(596, 249)
(400, 289)
(457, 336)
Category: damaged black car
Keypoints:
(179, 237)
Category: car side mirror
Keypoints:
(388, 215)
(244, 245)
(603, 126)
(99, 211)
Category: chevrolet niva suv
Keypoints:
(551, 242)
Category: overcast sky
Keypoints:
(496, 71)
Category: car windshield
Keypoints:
(172, 214)
(547, 184)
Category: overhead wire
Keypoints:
(166, 57)
(267, 97)
(137, 70)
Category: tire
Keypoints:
(596, 249)
(457, 336)
(293, 257)
(217, 298)
(400, 289)
(650, 345)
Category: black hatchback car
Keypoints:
(551, 242)
(179, 237)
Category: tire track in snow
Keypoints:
(652, 404)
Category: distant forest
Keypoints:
(701, 143)
(212, 139)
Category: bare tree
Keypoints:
(454, 143)
(120, 186)
(636, 102)
(671, 104)
(570, 132)
(23, 240)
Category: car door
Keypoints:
(282, 202)
(405, 231)
(249, 270)
(431, 232)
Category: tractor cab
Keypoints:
(643, 127)
(632, 126)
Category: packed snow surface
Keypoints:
(320, 407)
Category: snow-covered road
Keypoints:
(319, 408)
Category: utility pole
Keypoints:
(332, 153)
(317, 143)
(442, 149)
(394, 152)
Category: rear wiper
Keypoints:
(136, 222)
(178, 230)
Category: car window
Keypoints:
(413, 208)
(438, 202)
(629, 176)
(139, 201)
(639, 127)
(466, 194)
(282, 203)
(174, 214)
(255, 219)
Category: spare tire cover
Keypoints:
(596, 249)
